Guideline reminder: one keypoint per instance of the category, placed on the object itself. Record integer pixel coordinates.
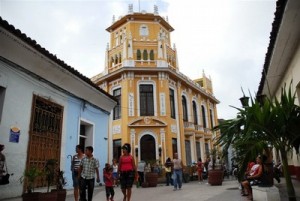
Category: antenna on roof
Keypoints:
(130, 9)
(113, 19)
(155, 9)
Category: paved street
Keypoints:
(192, 191)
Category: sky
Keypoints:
(225, 39)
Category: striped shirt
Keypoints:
(76, 162)
(88, 167)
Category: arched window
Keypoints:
(172, 103)
(203, 116)
(120, 58)
(195, 113)
(145, 55)
(211, 115)
(152, 55)
(116, 59)
(112, 61)
(138, 55)
(184, 109)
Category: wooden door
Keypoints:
(148, 151)
(45, 134)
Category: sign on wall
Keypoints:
(14, 134)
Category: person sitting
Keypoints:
(253, 178)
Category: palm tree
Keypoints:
(261, 125)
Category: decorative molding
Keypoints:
(116, 129)
(173, 128)
(131, 104)
(162, 135)
(162, 98)
(147, 122)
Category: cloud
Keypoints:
(227, 39)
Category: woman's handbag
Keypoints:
(5, 178)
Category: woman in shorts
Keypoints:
(127, 170)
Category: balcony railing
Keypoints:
(188, 125)
(198, 127)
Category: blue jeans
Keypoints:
(86, 184)
(177, 175)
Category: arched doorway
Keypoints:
(147, 146)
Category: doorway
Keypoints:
(148, 149)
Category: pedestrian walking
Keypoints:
(168, 168)
(141, 169)
(109, 183)
(177, 172)
(127, 171)
(88, 167)
(115, 172)
(200, 167)
(76, 159)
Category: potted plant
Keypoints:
(60, 183)
(152, 175)
(29, 178)
(215, 174)
(263, 124)
(49, 173)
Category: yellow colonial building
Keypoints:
(160, 111)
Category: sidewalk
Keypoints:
(192, 191)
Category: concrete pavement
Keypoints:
(192, 191)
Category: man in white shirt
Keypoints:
(141, 169)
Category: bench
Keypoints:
(265, 193)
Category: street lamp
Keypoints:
(245, 101)
(159, 151)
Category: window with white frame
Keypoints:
(86, 134)
(211, 113)
(195, 113)
(184, 109)
(146, 100)
(117, 108)
(172, 103)
(203, 116)
(144, 30)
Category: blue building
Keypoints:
(46, 109)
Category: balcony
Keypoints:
(188, 125)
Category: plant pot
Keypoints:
(51, 196)
(151, 179)
(31, 196)
(215, 177)
(186, 177)
(145, 185)
(61, 194)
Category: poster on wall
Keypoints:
(14, 134)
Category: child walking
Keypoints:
(109, 182)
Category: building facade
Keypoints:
(160, 111)
(46, 109)
(282, 62)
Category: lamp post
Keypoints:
(159, 151)
(245, 101)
